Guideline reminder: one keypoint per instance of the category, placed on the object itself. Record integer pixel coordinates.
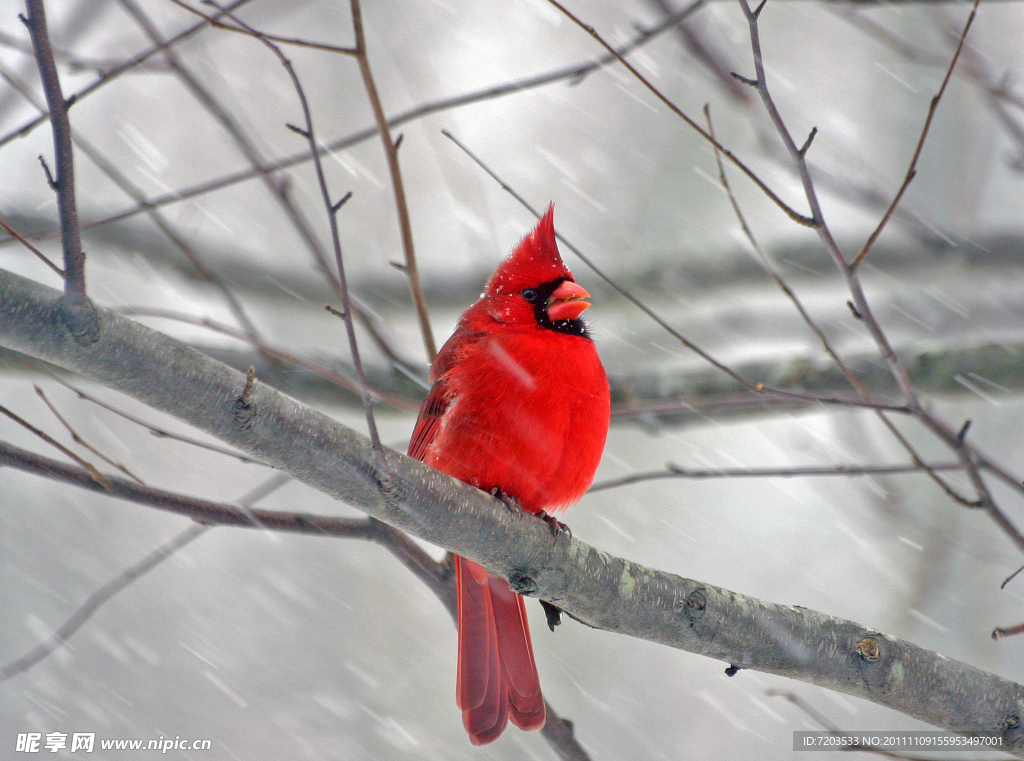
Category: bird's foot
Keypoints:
(557, 527)
(511, 502)
(552, 613)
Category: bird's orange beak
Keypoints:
(567, 302)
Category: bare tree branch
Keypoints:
(594, 587)
(789, 210)
(77, 308)
(332, 215)
(574, 73)
(80, 441)
(912, 169)
(113, 73)
(97, 598)
(28, 244)
(675, 471)
(410, 268)
(94, 474)
(818, 221)
(276, 185)
(860, 305)
(134, 192)
(215, 22)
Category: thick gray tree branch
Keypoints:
(596, 588)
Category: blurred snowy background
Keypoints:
(277, 646)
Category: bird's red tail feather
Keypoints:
(497, 678)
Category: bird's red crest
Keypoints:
(534, 261)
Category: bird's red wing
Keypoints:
(440, 396)
(429, 421)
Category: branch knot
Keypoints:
(522, 583)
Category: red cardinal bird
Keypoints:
(519, 407)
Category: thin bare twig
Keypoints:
(28, 244)
(94, 474)
(912, 169)
(332, 215)
(401, 205)
(847, 372)
(156, 431)
(973, 463)
(675, 471)
(574, 73)
(952, 493)
(760, 84)
(953, 440)
(267, 171)
(986, 463)
(135, 193)
(821, 227)
(82, 442)
(372, 325)
(754, 388)
(818, 219)
(862, 308)
(200, 510)
(124, 579)
(215, 22)
(770, 268)
(77, 308)
(97, 598)
(278, 188)
(980, 461)
(394, 400)
(789, 210)
(999, 632)
(113, 73)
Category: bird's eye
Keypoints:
(530, 294)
